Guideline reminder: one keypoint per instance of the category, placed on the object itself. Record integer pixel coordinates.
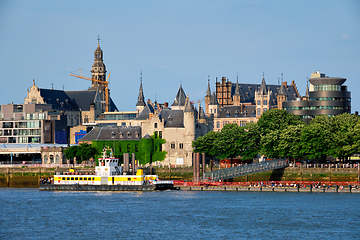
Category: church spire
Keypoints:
(98, 69)
(237, 90)
(141, 99)
(208, 91)
(307, 89)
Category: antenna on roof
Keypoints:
(180, 82)
(263, 74)
(237, 76)
(63, 88)
(98, 39)
(52, 85)
(278, 81)
(282, 78)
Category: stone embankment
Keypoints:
(332, 189)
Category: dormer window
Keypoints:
(128, 134)
(112, 134)
(121, 135)
(228, 114)
(236, 114)
(136, 135)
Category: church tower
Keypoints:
(141, 100)
(98, 69)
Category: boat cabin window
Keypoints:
(81, 179)
(63, 178)
(67, 178)
(129, 179)
(93, 179)
(76, 179)
(72, 179)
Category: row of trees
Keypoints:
(82, 152)
(279, 134)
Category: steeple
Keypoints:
(141, 99)
(237, 90)
(307, 91)
(208, 91)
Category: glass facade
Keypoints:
(327, 88)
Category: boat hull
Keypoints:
(78, 187)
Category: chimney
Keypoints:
(151, 115)
(285, 83)
(166, 104)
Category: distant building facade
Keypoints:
(245, 103)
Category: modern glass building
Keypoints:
(325, 96)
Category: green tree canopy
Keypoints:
(82, 152)
(227, 143)
(205, 144)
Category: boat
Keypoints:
(108, 177)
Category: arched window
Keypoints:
(121, 134)
(51, 159)
(46, 158)
(57, 158)
(112, 134)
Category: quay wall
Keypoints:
(30, 176)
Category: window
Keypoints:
(160, 134)
(57, 159)
(121, 134)
(45, 159)
(155, 134)
(265, 109)
(218, 124)
(173, 146)
(155, 125)
(228, 114)
(258, 102)
(136, 148)
(258, 112)
(265, 102)
(181, 145)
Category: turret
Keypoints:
(214, 105)
(236, 96)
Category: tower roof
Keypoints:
(188, 106)
(237, 91)
(282, 90)
(213, 99)
(141, 100)
(180, 98)
(208, 91)
(263, 89)
(307, 91)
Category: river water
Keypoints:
(31, 214)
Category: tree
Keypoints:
(314, 142)
(205, 144)
(227, 143)
(86, 151)
(251, 141)
(277, 119)
(71, 152)
(82, 152)
(289, 142)
(344, 142)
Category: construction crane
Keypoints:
(105, 83)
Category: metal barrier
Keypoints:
(246, 169)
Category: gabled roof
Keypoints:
(145, 112)
(113, 133)
(172, 118)
(83, 99)
(235, 111)
(58, 99)
(180, 98)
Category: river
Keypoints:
(32, 214)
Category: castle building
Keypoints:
(179, 125)
(325, 96)
(245, 103)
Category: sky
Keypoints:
(176, 42)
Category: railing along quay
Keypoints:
(246, 169)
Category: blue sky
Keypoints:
(175, 42)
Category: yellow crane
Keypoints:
(105, 83)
